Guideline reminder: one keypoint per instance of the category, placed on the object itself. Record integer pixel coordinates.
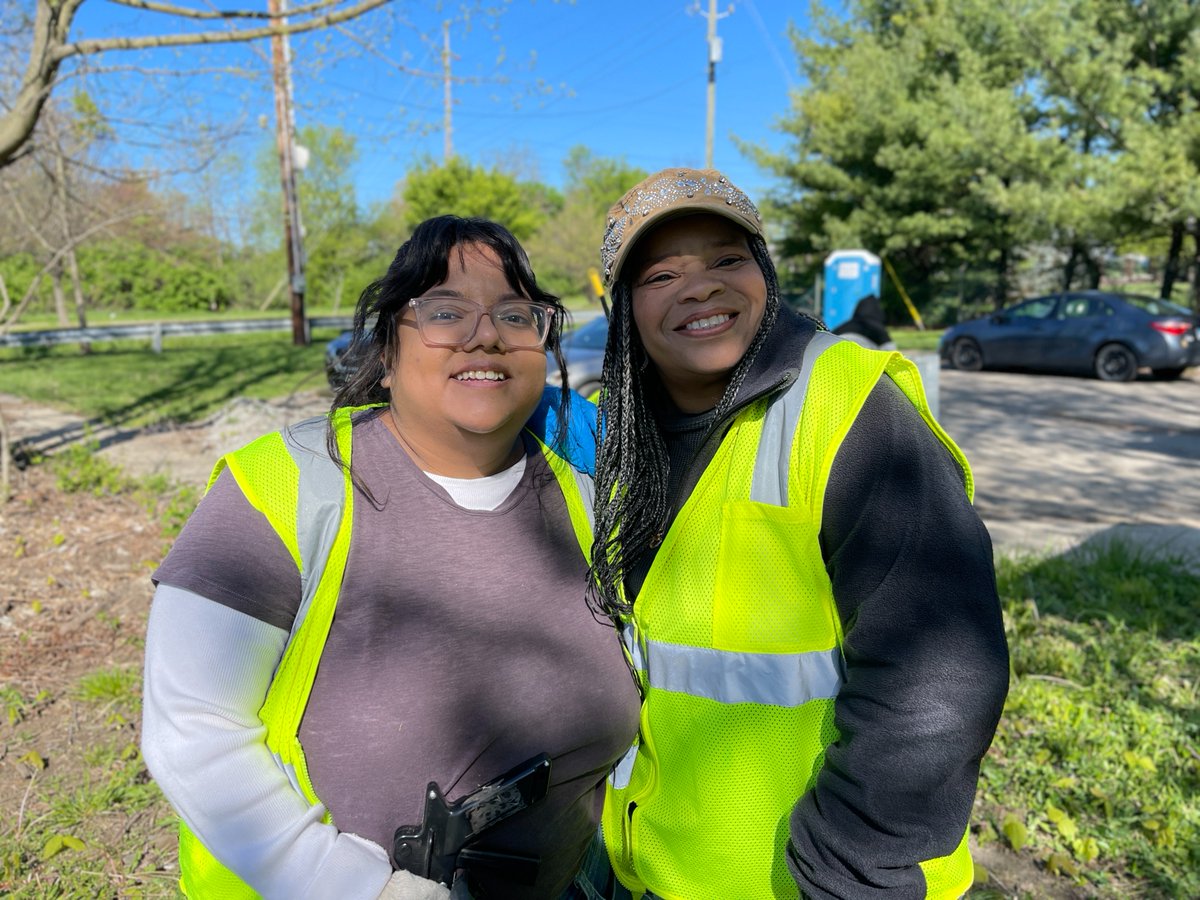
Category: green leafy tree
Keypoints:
(339, 248)
(567, 245)
(122, 274)
(957, 136)
(915, 141)
(457, 187)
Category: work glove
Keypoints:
(404, 885)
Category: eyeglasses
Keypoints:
(452, 321)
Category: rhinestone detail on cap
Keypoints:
(667, 191)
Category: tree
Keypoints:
(458, 187)
(342, 247)
(568, 244)
(47, 35)
(912, 141)
(954, 135)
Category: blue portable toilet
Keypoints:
(850, 275)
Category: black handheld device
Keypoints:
(440, 845)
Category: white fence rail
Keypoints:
(156, 331)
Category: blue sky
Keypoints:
(626, 78)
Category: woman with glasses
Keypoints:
(372, 616)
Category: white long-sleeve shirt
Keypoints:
(207, 671)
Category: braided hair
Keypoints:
(632, 467)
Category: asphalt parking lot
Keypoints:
(1060, 460)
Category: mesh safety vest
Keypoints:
(289, 477)
(736, 642)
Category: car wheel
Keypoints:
(1115, 362)
(966, 355)
(1171, 374)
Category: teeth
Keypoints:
(481, 375)
(710, 322)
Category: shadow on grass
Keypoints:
(1139, 576)
(183, 388)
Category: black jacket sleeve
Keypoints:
(926, 661)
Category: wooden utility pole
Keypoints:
(714, 57)
(285, 141)
(447, 126)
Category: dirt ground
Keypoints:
(74, 595)
(75, 591)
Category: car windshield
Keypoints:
(1154, 305)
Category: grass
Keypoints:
(912, 339)
(1095, 769)
(124, 383)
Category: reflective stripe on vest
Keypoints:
(773, 679)
(727, 676)
(771, 465)
(319, 504)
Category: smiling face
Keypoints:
(460, 409)
(698, 300)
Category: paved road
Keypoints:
(1060, 460)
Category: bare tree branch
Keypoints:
(62, 251)
(102, 45)
(188, 13)
(6, 305)
(50, 45)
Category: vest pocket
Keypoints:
(772, 593)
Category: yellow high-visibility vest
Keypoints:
(737, 645)
(274, 472)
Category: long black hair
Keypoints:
(632, 467)
(422, 262)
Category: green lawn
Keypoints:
(125, 383)
(1095, 769)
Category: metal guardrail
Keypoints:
(156, 331)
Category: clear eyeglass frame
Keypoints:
(520, 324)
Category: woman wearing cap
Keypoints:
(392, 596)
(807, 597)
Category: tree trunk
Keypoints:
(1002, 279)
(1171, 269)
(1194, 228)
(1069, 270)
(1093, 268)
(77, 289)
(62, 193)
(60, 301)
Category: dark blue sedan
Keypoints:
(1108, 334)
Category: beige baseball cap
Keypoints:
(666, 195)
